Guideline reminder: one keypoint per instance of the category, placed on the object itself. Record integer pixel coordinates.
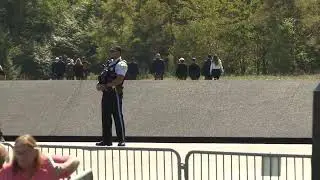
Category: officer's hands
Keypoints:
(108, 85)
(100, 87)
(103, 87)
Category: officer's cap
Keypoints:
(115, 49)
(158, 55)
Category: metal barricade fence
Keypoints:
(205, 165)
(165, 164)
(122, 163)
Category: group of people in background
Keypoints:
(212, 68)
(65, 67)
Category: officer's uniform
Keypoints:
(112, 101)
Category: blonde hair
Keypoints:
(29, 141)
(3, 155)
(215, 59)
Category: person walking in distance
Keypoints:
(111, 84)
(206, 68)
(133, 70)
(78, 69)
(70, 69)
(2, 77)
(182, 70)
(216, 68)
(158, 67)
(194, 70)
(2, 74)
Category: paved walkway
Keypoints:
(226, 108)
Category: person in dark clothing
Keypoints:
(64, 58)
(78, 69)
(54, 68)
(86, 65)
(194, 70)
(158, 67)
(85, 69)
(60, 69)
(70, 70)
(133, 70)
(1, 137)
(2, 77)
(206, 68)
(2, 74)
(182, 70)
(111, 84)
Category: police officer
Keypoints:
(111, 84)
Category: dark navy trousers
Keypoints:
(111, 105)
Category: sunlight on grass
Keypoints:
(233, 77)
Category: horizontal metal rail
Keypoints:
(126, 163)
(210, 165)
(121, 163)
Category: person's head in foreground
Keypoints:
(26, 154)
(29, 163)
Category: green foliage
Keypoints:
(250, 37)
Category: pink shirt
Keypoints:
(45, 172)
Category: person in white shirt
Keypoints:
(111, 84)
(216, 68)
(212, 68)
